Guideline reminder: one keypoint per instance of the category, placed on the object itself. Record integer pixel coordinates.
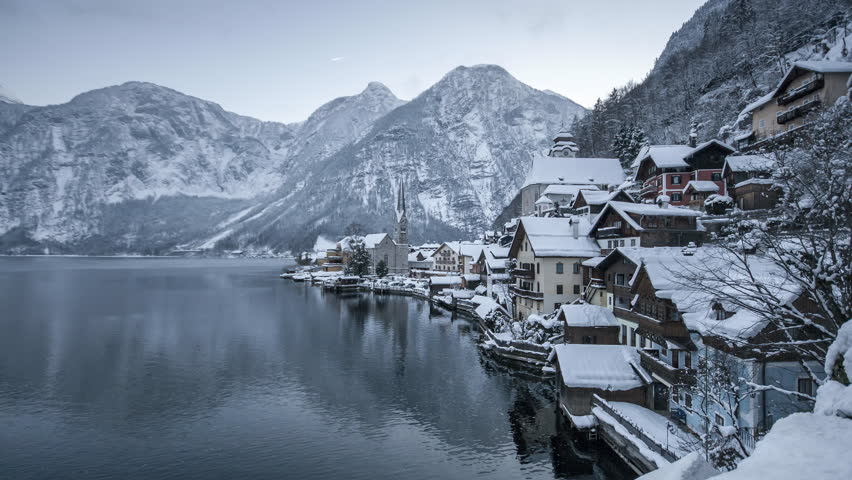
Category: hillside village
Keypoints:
(684, 304)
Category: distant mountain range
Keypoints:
(140, 168)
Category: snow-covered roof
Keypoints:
(593, 262)
(558, 189)
(454, 246)
(542, 200)
(607, 367)
(577, 171)
(758, 103)
(644, 209)
(674, 156)
(470, 249)
(472, 277)
(373, 239)
(664, 156)
(702, 186)
(755, 181)
(586, 315)
(447, 280)
(554, 237)
(600, 197)
(749, 163)
(665, 267)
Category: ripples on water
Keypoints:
(171, 368)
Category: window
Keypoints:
(632, 242)
(537, 268)
(632, 337)
(624, 334)
(609, 244)
(609, 300)
(576, 289)
(687, 359)
(676, 197)
(716, 176)
(576, 268)
(559, 268)
(675, 179)
(559, 289)
(590, 339)
(619, 279)
(805, 386)
(762, 123)
(687, 400)
(663, 350)
(675, 359)
(537, 287)
(720, 420)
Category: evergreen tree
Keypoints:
(381, 269)
(360, 262)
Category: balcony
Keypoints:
(523, 273)
(520, 292)
(609, 232)
(800, 92)
(675, 376)
(796, 112)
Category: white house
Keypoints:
(547, 253)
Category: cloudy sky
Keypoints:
(279, 60)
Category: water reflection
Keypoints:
(192, 369)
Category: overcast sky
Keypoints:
(280, 60)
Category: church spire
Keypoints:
(401, 219)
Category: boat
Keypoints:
(342, 283)
(299, 277)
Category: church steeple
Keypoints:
(401, 219)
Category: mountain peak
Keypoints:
(378, 89)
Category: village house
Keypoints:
(592, 202)
(612, 372)
(558, 198)
(558, 168)
(806, 87)
(588, 324)
(446, 257)
(493, 268)
(668, 169)
(749, 179)
(622, 224)
(678, 326)
(547, 254)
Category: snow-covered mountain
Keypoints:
(143, 168)
(462, 149)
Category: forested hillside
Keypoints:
(728, 54)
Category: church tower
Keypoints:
(401, 219)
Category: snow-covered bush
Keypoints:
(718, 204)
(537, 329)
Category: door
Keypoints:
(661, 396)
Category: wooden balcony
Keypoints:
(675, 376)
(523, 273)
(796, 112)
(520, 292)
(800, 92)
(670, 329)
(608, 232)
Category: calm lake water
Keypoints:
(204, 369)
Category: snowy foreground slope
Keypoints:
(143, 168)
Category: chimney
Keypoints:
(575, 226)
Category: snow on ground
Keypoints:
(801, 446)
(656, 426)
(646, 452)
(690, 467)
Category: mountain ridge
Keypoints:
(93, 174)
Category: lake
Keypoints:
(200, 369)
